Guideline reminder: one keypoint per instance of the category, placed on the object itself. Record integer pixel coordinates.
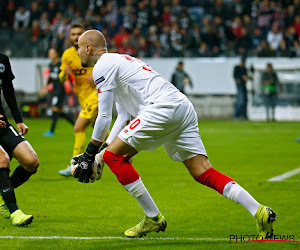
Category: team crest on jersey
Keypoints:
(99, 80)
(2, 67)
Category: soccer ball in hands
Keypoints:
(97, 166)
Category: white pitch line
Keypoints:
(285, 175)
(111, 238)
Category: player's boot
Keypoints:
(66, 172)
(4, 210)
(20, 219)
(48, 133)
(265, 216)
(147, 225)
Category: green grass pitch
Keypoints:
(249, 152)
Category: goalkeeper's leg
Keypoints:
(201, 169)
(129, 178)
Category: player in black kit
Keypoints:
(57, 92)
(13, 144)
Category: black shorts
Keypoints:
(9, 139)
(57, 98)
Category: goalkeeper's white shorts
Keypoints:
(175, 126)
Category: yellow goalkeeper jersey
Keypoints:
(84, 85)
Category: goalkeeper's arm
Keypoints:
(105, 104)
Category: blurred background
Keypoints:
(209, 36)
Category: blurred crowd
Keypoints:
(153, 28)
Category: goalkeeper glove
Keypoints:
(84, 170)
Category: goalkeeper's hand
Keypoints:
(84, 170)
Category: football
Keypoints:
(97, 167)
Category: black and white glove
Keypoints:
(84, 170)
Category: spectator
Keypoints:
(156, 50)
(22, 19)
(142, 49)
(203, 50)
(166, 15)
(296, 25)
(51, 10)
(98, 24)
(295, 49)
(256, 39)
(241, 77)
(77, 18)
(142, 21)
(35, 31)
(125, 48)
(270, 87)
(152, 37)
(264, 16)
(279, 15)
(283, 51)
(90, 18)
(274, 37)
(128, 13)
(35, 11)
(264, 50)
(120, 36)
(175, 10)
(187, 42)
(180, 78)
(134, 38)
(176, 41)
(290, 36)
(164, 39)
(155, 12)
(244, 43)
(290, 16)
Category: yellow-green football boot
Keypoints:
(265, 216)
(20, 219)
(4, 210)
(147, 225)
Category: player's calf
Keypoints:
(121, 167)
(226, 186)
(20, 176)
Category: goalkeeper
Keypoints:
(84, 89)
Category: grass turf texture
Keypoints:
(249, 152)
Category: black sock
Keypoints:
(20, 176)
(54, 117)
(7, 190)
(67, 117)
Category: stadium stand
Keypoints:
(166, 28)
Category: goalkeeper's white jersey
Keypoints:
(134, 83)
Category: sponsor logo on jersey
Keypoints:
(99, 80)
(79, 72)
(2, 67)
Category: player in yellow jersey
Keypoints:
(84, 89)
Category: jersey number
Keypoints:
(130, 58)
(134, 123)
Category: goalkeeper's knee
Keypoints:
(121, 167)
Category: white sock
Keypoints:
(141, 194)
(236, 193)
